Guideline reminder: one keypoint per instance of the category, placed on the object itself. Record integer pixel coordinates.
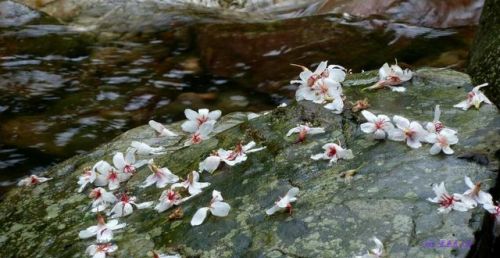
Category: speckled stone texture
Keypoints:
(332, 217)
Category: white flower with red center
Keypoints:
(168, 199)
(238, 154)
(376, 252)
(390, 76)
(304, 130)
(474, 98)
(108, 175)
(101, 199)
(379, 125)
(103, 231)
(333, 152)
(127, 165)
(309, 78)
(142, 148)
(285, 202)
(216, 207)
(191, 184)
(442, 141)
(327, 90)
(161, 176)
(474, 192)
(101, 250)
(161, 130)
(197, 119)
(436, 126)
(125, 206)
(201, 134)
(449, 202)
(32, 180)
(413, 133)
(87, 177)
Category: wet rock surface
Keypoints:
(334, 218)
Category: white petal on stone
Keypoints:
(220, 209)
(199, 216)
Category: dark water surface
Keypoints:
(64, 92)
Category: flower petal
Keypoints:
(199, 216)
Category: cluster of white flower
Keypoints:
(461, 202)
(322, 86)
(412, 132)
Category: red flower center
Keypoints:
(447, 200)
(332, 152)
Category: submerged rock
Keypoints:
(332, 217)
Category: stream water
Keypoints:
(64, 92)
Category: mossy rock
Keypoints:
(332, 218)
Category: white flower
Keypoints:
(197, 119)
(191, 183)
(100, 250)
(161, 130)
(168, 199)
(216, 207)
(127, 165)
(87, 177)
(333, 152)
(125, 206)
(390, 76)
(436, 126)
(376, 252)
(449, 202)
(108, 175)
(336, 103)
(475, 192)
(308, 78)
(210, 164)
(284, 202)
(101, 199)
(304, 130)
(161, 176)
(32, 180)
(442, 141)
(327, 90)
(239, 154)
(474, 98)
(144, 149)
(379, 125)
(412, 133)
(160, 255)
(201, 134)
(103, 230)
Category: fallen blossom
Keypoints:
(191, 184)
(103, 230)
(376, 252)
(449, 202)
(210, 164)
(32, 180)
(474, 192)
(493, 210)
(108, 175)
(176, 214)
(101, 250)
(474, 98)
(304, 130)
(101, 199)
(238, 154)
(333, 152)
(87, 177)
(216, 207)
(142, 148)
(201, 134)
(411, 132)
(336, 103)
(442, 141)
(284, 202)
(125, 206)
(127, 165)
(309, 78)
(197, 119)
(161, 130)
(168, 199)
(161, 176)
(391, 76)
(360, 105)
(379, 125)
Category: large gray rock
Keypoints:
(332, 218)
